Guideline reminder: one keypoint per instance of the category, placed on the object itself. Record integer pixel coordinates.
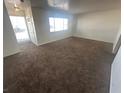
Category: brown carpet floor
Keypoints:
(71, 65)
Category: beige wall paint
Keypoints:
(10, 45)
(102, 26)
(41, 20)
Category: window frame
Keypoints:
(54, 25)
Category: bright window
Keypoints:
(20, 28)
(58, 24)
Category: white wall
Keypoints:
(41, 20)
(102, 25)
(30, 22)
(10, 45)
(74, 25)
(115, 85)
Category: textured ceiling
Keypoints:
(78, 6)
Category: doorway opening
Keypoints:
(20, 28)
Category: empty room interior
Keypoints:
(62, 46)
